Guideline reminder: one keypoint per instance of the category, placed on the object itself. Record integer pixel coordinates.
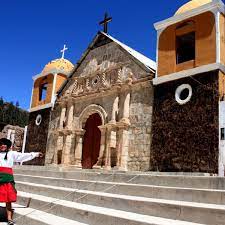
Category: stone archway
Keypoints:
(91, 141)
(89, 110)
(91, 120)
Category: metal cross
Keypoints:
(63, 51)
(105, 22)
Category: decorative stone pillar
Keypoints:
(70, 115)
(123, 135)
(79, 134)
(108, 150)
(62, 117)
(106, 144)
(122, 146)
(115, 110)
(126, 109)
(66, 153)
(58, 149)
(101, 159)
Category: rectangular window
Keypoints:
(185, 49)
(43, 92)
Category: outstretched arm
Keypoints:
(23, 157)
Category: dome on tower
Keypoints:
(192, 5)
(61, 65)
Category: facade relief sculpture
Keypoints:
(94, 128)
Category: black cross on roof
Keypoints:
(105, 22)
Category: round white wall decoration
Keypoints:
(38, 119)
(183, 93)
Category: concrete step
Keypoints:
(115, 197)
(211, 196)
(93, 215)
(149, 206)
(32, 216)
(201, 182)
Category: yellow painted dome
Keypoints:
(192, 5)
(58, 65)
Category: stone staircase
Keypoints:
(80, 197)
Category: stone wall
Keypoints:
(140, 130)
(185, 137)
(18, 133)
(37, 135)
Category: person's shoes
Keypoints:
(10, 222)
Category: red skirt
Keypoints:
(7, 193)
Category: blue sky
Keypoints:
(33, 32)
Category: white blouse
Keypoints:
(14, 156)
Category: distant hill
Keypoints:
(12, 114)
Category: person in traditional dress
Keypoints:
(8, 192)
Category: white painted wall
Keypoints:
(221, 142)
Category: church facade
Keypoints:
(114, 109)
(102, 116)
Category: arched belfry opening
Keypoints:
(91, 141)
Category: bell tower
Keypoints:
(189, 89)
(45, 87)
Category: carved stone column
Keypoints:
(115, 110)
(126, 110)
(123, 135)
(79, 134)
(58, 149)
(106, 144)
(122, 146)
(67, 147)
(108, 150)
(101, 159)
(62, 117)
(66, 153)
(70, 115)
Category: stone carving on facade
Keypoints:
(87, 84)
(96, 82)
(119, 77)
(130, 78)
(75, 87)
(102, 80)
(67, 92)
(105, 83)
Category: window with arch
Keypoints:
(43, 90)
(185, 42)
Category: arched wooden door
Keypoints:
(91, 143)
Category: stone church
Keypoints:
(115, 109)
(103, 111)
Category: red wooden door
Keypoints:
(91, 144)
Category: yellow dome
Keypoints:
(62, 65)
(192, 5)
